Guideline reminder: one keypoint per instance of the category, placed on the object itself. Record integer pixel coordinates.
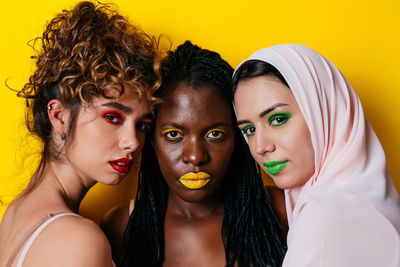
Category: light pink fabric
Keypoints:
(348, 213)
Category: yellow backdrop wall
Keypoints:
(360, 37)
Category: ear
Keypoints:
(58, 115)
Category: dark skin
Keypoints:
(201, 140)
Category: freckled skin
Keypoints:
(193, 220)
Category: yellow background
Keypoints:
(360, 37)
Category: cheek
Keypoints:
(252, 146)
(294, 139)
(291, 139)
(309, 154)
(168, 152)
(302, 149)
(87, 139)
(220, 155)
(168, 156)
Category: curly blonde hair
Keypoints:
(83, 53)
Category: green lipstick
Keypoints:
(274, 167)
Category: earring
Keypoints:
(48, 107)
(63, 136)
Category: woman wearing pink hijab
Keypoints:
(306, 128)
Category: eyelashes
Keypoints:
(172, 134)
(113, 117)
(215, 133)
(278, 119)
(175, 134)
(116, 118)
(275, 120)
(248, 130)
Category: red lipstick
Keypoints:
(122, 165)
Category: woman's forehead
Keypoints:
(187, 103)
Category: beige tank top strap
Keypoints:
(30, 236)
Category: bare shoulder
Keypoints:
(114, 224)
(80, 240)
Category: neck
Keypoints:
(71, 187)
(195, 209)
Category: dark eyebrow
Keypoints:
(268, 110)
(243, 122)
(119, 106)
(265, 112)
(171, 124)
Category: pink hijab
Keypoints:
(348, 155)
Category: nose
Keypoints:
(129, 141)
(263, 143)
(195, 152)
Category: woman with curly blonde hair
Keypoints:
(90, 103)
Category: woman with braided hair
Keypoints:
(200, 200)
(89, 101)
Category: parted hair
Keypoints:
(86, 52)
(254, 68)
(251, 232)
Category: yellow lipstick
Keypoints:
(195, 180)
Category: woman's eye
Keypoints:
(215, 133)
(278, 119)
(113, 118)
(144, 125)
(172, 134)
(249, 130)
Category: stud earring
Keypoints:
(63, 136)
(48, 107)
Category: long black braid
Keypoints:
(251, 231)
